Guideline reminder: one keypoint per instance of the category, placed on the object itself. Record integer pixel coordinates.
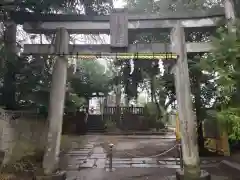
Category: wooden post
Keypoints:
(119, 28)
(56, 106)
(187, 119)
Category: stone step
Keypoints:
(98, 156)
(89, 164)
(102, 164)
(170, 166)
(79, 152)
(204, 161)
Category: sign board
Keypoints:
(119, 28)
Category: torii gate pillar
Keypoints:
(187, 119)
(56, 104)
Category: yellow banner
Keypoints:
(177, 130)
(221, 146)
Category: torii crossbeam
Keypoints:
(81, 24)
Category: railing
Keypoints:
(133, 110)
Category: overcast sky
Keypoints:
(118, 3)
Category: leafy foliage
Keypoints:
(25, 81)
(224, 64)
(91, 77)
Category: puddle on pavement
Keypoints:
(126, 146)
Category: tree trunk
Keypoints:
(154, 97)
(159, 113)
(118, 95)
(199, 109)
(152, 89)
(237, 7)
(127, 100)
(88, 6)
(9, 86)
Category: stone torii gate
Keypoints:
(119, 24)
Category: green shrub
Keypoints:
(110, 125)
(152, 113)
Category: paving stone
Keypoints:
(169, 159)
(171, 162)
(177, 163)
(98, 150)
(100, 163)
(72, 167)
(119, 162)
(161, 162)
(77, 156)
(85, 166)
(122, 159)
(89, 146)
(88, 164)
(209, 165)
(127, 164)
(79, 152)
(154, 161)
(98, 156)
(83, 151)
(213, 177)
(77, 161)
(112, 170)
(144, 165)
(214, 161)
(81, 158)
(74, 161)
(205, 162)
(142, 159)
(121, 165)
(172, 166)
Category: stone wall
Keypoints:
(19, 130)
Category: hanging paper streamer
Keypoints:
(127, 56)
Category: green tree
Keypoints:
(91, 77)
(36, 69)
(224, 64)
(202, 87)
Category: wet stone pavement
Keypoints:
(95, 157)
(91, 162)
(131, 174)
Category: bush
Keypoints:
(152, 113)
(31, 163)
(110, 125)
